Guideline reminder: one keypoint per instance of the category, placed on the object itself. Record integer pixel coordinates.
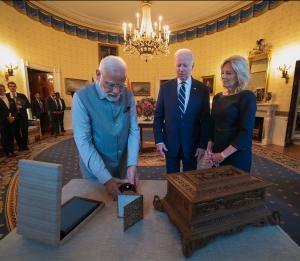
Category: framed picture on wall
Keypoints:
(141, 88)
(209, 81)
(72, 85)
(105, 50)
(161, 82)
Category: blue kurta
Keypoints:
(106, 133)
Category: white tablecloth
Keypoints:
(153, 238)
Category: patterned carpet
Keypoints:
(282, 171)
(286, 161)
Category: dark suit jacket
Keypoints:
(25, 104)
(63, 104)
(4, 111)
(51, 105)
(36, 108)
(190, 132)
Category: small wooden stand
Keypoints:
(206, 203)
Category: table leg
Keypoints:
(141, 136)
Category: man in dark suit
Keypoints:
(22, 104)
(7, 123)
(53, 113)
(62, 107)
(181, 118)
(38, 110)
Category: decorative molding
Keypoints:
(244, 14)
(63, 25)
(282, 113)
(277, 113)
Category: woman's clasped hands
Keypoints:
(214, 159)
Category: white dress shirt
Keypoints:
(13, 96)
(4, 98)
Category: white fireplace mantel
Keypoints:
(267, 111)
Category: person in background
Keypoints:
(232, 117)
(21, 103)
(61, 107)
(105, 127)
(53, 113)
(38, 110)
(7, 123)
(181, 117)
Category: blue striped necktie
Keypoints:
(181, 98)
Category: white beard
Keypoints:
(113, 98)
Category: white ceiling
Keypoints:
(109, 15)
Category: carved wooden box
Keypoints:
(206, 203)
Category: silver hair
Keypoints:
(240, 66)
(112, 64)
(185, 51)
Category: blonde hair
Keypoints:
(240, 66)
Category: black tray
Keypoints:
(74, 211)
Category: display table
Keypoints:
(153, 238)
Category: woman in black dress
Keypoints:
(232, 117)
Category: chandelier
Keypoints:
(142, 39)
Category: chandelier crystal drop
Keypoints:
(142, 39)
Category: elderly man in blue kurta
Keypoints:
(105, 127)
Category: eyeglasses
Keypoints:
(109, 86)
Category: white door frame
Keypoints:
(294, 135)
(56, 75)
(158, 79)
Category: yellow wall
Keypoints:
(78, 58)
(280, 27)
(42, 45)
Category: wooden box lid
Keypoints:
(208, 184)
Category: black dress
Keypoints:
(232, 122)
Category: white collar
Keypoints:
(188, 81)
